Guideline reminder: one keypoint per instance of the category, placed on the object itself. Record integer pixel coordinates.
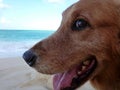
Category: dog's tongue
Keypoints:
(63, 80)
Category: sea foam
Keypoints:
(16, 42)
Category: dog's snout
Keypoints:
(30, 57)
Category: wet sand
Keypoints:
(15, 74)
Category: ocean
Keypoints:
(15, 42)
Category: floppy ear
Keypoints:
(117, 1)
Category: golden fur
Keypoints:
(67, 48)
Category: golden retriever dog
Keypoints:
(85, 47)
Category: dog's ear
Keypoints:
(117, 1)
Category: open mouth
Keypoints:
(74, 78)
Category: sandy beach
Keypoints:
(15, 74)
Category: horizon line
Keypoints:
(30, 29)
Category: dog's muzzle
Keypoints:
(30, 57)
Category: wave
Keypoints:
(15, 42)
(12, 48)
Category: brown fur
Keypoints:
(67, 48)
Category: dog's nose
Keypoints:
(30, 57)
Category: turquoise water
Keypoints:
(15, 42)
(22, 35)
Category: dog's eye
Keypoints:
(80, 24)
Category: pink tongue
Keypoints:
(63, 80)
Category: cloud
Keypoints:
(3, 5)
(61, 1)
(3, 20)
(39, 25)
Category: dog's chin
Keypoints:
(74, 78)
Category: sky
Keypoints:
(32, 14)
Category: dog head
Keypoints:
(84, 46)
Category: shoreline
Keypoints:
(15, 74)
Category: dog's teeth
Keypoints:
(83, 68)
(79, 72)
(87, 62)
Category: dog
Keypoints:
(85, 47)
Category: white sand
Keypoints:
(15, 74)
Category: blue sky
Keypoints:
(32, 14)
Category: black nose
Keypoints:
(29, 57)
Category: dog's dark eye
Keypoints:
(80, 24)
